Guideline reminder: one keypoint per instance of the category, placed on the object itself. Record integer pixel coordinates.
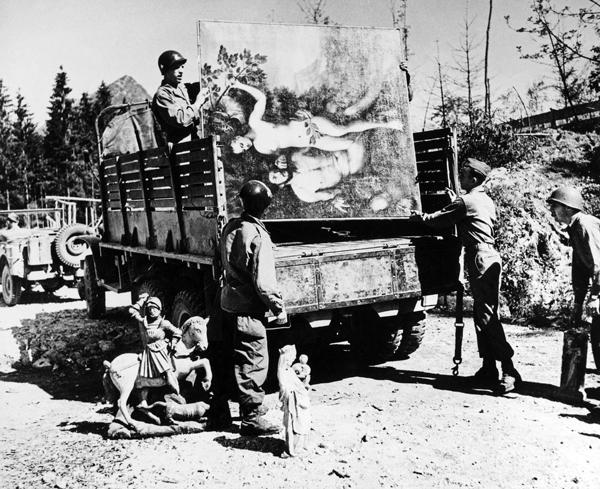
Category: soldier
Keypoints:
(12, 222)
(475, 213)
(566, 205)
(249, 291)
(177, 105)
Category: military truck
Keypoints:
(352, 265)
(46, 247)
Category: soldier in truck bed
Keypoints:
(474, 213)
(177, 105)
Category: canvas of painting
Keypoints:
(318, 113)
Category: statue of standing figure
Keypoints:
(295, 402)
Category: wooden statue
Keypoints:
(121, 375)
(295, 402)
(302, 369)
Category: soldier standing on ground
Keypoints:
(177, 105)
(249, 291)
(566, 206)
(474, 213)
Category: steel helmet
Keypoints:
(256, 197)
(154, 301)
(568, 196)
(170, 59)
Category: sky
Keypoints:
(102, 40)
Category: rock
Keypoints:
(43, 362)
(106, 346)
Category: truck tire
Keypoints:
(95, 296)
(11, 286)
(68, 245)
(155, 288)
(369, 338)
(413, 331)
(376, 340)
(187, 303)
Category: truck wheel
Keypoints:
(95, 296)
(68, 245)
(413, 331)
(187, 303)
(11, 287)
(368, 336)
(155, 288)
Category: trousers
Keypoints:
(484, 269)
(246, 340)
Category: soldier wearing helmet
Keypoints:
(474, 214)
(566, 206)
(249, 290)
(177, 105)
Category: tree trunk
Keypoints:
(487, 100)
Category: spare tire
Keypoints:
(68, 245)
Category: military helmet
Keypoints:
(256, 197)
(170, 59)
(154, 301)
(568, 196)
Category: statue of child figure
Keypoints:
(302, 369)
(295, 402)
(155, 330)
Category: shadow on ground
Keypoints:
(85, 388)
(264, 444)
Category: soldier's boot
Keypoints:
(255, 424)
(511, 379)
(487, 375)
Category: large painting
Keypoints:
(318, 113)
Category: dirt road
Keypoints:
(406, 424)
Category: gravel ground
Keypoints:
(406, 424)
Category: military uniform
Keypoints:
(584, 232)
(474, 214)
(173, 108)
(249, 291)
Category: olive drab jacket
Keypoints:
(173, 108)
(249, 281)
(474, 214)
(584, 232)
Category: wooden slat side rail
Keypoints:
(126, 238)
(435, 134)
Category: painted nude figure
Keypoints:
(314, 175)
(311, 132)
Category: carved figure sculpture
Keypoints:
(302, 369)
(295, 402)
(122, 373)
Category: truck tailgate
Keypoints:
(340, 274)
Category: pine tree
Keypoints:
(57, 148)
(102, 100)
(5, 145)
(84, 143)
(27, 151)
